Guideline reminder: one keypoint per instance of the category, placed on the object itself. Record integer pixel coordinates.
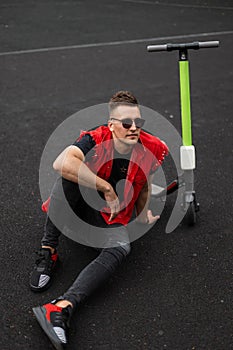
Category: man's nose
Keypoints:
(133, 126)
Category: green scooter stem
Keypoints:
(185, 103)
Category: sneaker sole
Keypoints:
(47, 328)
(41, 289)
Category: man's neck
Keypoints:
(121, 147)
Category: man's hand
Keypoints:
(113, 203)
(152, 219)
(148, 219)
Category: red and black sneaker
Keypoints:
(41, 275)
(54, 321)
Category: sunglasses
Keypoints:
(128, 122)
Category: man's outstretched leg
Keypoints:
(54, 317)
(47, 257)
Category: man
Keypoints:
(98, 161)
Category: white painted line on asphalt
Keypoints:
(157, 3)
(113, 43)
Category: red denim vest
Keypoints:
(146, 156)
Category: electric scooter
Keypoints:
(186, 199)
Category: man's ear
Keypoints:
(110, 125)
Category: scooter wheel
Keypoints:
(191, 216)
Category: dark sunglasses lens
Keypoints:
(127, 123)
(139, 122)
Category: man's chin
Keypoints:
(131, 140)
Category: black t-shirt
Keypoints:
(86, 143)
(119, 166)
(119, 172)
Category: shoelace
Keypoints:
(61, 318)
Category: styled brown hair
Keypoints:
(122, 98)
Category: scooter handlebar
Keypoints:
(152, 48)
(208, 44)
(171, 47)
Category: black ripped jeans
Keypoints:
(70, 203)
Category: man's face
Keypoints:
(127, 136)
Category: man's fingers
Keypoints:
(113, 203)
(152, 219)
(115, 208)
(113, 215)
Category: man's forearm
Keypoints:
(87, 178)
(71, 166)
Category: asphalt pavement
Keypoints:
(57, 57)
